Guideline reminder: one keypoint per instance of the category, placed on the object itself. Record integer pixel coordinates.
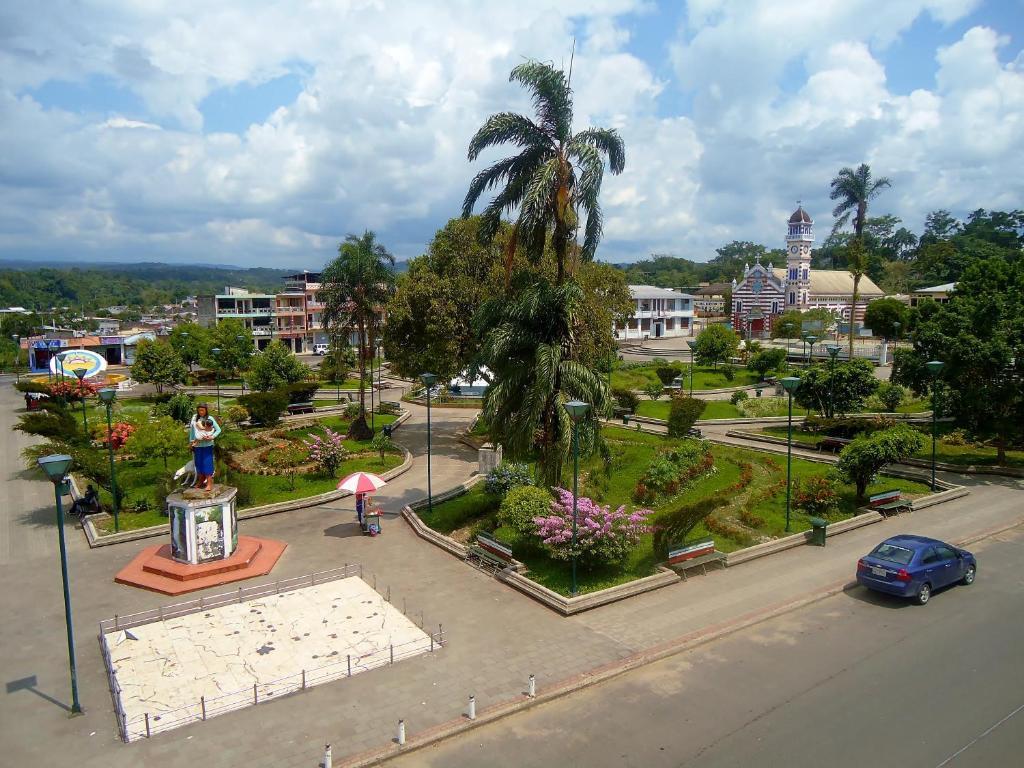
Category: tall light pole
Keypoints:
(833, 352)
(80, 375)
(216, 373)
(791, 384)
(373, 360)
(185, 353)
(576, 410)
(896, 325)
(17, 357)
(811, 338)
(380, 362)
(428, 379)
(240, 337)
(107, 396)
(56, 468)
(934, 369)
(692, 344)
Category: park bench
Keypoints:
(694, 432)
(489, 553)
(390, 404)
(889, 502)
(294, 408)
(697, 554)
(834, 444)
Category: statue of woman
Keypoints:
(203, 429)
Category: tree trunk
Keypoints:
(853, 309)
(1000, 451)
(362, 365)
(862, 486)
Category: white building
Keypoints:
(657, 313)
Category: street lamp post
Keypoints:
(373, 360)
(184, 347)
(692, 344)
(791, 384)
(80, 375)
(428, 379)
(240, 337)
(380, 362)
(56, 468)
(896, 325)
(17, 357)
(576, 410)
(216, 373)
(833, 352)
(107, 396)
(934, 368)
(811, 338)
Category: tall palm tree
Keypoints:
(356, 285)
(854, 189)
(555, 175)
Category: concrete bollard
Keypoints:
(472, 707)
(532, 688)
(401, 733)
(327, 756)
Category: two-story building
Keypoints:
(657, 313)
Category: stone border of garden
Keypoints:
(909, 418)
(514, 575)
(95, 539)
(966, 469)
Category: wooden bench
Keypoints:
(697, 554)
(294, 408)
(889, 502)
(834, 444)
(694, 432)
(490, 553)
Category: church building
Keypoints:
(764, 292)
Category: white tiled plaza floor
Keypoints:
(167, 668)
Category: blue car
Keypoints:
(915, 566)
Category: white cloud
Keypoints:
(391, 95)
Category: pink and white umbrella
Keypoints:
(361, 482)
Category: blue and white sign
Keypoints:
(78, 359)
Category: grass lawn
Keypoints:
(716, 409)
(754, 513)
(703, 377)
(964, 455)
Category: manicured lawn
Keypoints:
(703, 377)
(964, 455)
(754, 513)
(716, 409)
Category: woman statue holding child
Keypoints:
(202, 431)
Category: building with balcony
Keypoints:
(255, 311)
(657, 313)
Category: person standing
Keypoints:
(203, 429)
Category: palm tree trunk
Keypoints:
(853, 309)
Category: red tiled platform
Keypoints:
(155, 570)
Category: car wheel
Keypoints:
(968, 578)
(924, 594)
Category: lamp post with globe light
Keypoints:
(934, 369)
(692, 344)
(428, 379)
(791, 384)
(80, 375)
(216, 373)
(811, 338)
(576, 410)
(56, 468)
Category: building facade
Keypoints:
(937, 293)
(657, 313)
(764, 292)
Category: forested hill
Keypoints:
(137, 285)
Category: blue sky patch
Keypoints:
(234, 109)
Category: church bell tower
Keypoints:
(798, 259)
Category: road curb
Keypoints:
(460, 725)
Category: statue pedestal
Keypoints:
(204, 526)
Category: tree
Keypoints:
(764, 361)
(339, 360)
(556, 174)
(854, 189)
(787, 325)
(882, 315)
(276, 367)
(856, 265)
(979, 336)
(236, 347)
(382, 443)
(191, 341)
(157, 363)
(356, 286)
(654, 390)
(862, 459)
(897, 277)
(840, 387)
(715, 344)
(683, 413)
(163, 437)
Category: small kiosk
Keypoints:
(361, 485)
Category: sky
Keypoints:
(261, 133)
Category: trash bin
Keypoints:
(625, 418)
(818, 531)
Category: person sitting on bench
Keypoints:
(88, 504)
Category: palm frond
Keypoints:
(552, 96)
(608, 141)
(507, 127)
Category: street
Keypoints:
(853, 680)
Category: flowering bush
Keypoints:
(67, 389)
(816, 496)
(506, 476)
(119, 434)
(602, 535)
(670, 472)
(326, 452)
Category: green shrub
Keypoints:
(816, 496)
(956, 437)
(32, 386)
(506, 476)
(847, 427)
(757, 407)
(626, 398)
(654, 390)
(264, 407)
(666, 373)
(388, 408)
(521, 505)
(352, 410)
(683, 414)
(729, 373)
(729, 530)
(181, 406)
(382, 443)
(236, 413)
(674, 526)
(301, 391)
(738, 397)
(890, 395)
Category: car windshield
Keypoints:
(892, 553)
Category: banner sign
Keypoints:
(78, 359)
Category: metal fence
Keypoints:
(150, 723)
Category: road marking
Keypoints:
(975, 740)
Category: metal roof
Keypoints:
(654, 292)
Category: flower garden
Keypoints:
(645, 495)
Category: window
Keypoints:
(739, 306)
(775, 307)
(892, 553)
(805, 273)
(945, 553)
(930, 557)
(792, 297)
(792, 273)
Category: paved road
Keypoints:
(854, 680)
